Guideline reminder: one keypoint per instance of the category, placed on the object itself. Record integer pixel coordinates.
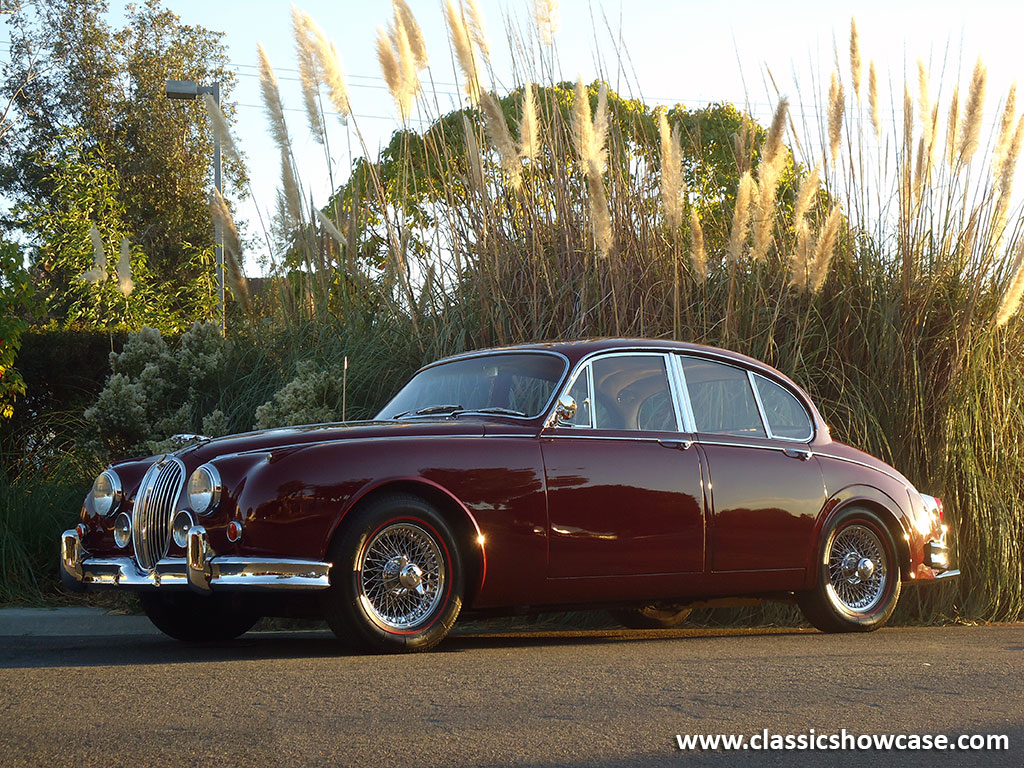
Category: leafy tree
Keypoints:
(85, 92)
(15, 300)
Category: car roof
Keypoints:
(578, 349)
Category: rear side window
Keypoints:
(722, 400)
(786, 416)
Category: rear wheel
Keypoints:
(655, 616)
(396, 582)
(191, 617)
(858, 576)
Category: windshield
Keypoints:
(512, 384)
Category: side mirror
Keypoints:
(565, 409)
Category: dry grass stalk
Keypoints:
(800, 262)
(1006, 131)
(500, 136)
(232, 249)
(464, 52)
(924, 102)
(291, 199)
(328, 225)
(405, 19)
(876, 115)
(1010, 302)
(125, 284)
(973, 113)
(335, 79)
(473, 157)
(698, 256)
(272, 101)
(98, 272)
(773, 160)
(1004, 178)
(309, 73)
(953, 127)
(477, 28)
(741, 217)
(824, 249)
(219, 126)
(589, 138)
(806, 194)
(528, 129)
(836, 107)
(401, 55)
(855, 63)
(672, 184)
(545, 16)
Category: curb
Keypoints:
(70, 622)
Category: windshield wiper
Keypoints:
(430, 409)
(494, 409)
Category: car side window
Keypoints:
(786, 417)
(631, 392)
(722, 400)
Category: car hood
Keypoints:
(269, 439)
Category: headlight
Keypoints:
(122, 530)
(179, 529)
(106, 493)
(204, 489)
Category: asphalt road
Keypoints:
(601, 698)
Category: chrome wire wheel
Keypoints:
(858, 570)
(401, 576)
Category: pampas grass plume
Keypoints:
(855, 63)
(876, 115)
(545, 16)
(1011, 300)
(824, 249)
(973, 113)
(836, 107)
(464, 53)
(98, 273)
(124, 269)
(501, 138)
(741, 217)
(528, 130)
(219, 126)
(698, 256)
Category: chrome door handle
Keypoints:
(804, 454)
(681, 445)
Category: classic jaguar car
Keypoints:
(640, 476)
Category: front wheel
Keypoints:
(858, 576)
(194, 618)
(396, 582)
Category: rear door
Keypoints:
(766, 485)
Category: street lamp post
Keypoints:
(190, 90)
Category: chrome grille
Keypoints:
(154, 510)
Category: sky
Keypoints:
(692, 52)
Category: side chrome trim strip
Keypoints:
(944, 575)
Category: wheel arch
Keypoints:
(472, 545)
(873, 500)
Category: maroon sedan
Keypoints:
(641, 476)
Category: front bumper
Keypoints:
(201, 570)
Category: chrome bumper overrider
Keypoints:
(201, 569)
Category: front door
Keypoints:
(624, 484)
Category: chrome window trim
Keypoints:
(684, 405)
(764, 414)
(546, 410)
(760, 406)
(585, 364)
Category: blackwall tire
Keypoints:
(396, 579)
(858, 579)
(197, 618)
(656, 616)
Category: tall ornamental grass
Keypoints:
(875, 256)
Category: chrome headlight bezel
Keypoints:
(122, 530)
(204, 489)
(181, 524)
(106, 493)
